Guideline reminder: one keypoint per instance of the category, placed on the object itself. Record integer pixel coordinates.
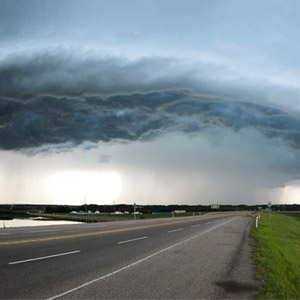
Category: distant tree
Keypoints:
(63, 209)
(49, 210)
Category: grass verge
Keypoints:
(277, 256)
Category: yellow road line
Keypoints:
(97, 233)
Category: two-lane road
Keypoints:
(196, 257)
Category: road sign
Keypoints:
(215, 206)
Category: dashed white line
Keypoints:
(4, 233)
(196, 225)
(137, 262)
(44, 257)
(175, 230)
(207, 222)
(133, 240)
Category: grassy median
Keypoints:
(277, 255)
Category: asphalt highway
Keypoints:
(205, 257)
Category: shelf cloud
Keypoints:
(63, 100)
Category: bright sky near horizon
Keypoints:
(153, 102)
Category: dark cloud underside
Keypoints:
(52, 120)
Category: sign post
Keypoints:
(270, 205)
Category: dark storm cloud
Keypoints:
(58, 98)
(51, 120)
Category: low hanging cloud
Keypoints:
(55, 98)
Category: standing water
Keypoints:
(32, 222)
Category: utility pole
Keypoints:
(85, 204)
(134, 211)
(86, 220)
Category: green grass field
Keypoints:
(277, 255)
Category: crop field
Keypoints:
(277, 255)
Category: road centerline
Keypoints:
(133, 240)
(43, 257)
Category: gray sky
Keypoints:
(191, 102)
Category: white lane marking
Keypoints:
(44, 257)
(196, 225)
(128, 241)
(137, 262)
(207, 222)
(4, 233)
(45, 231)
(175, 230)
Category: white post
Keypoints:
(256, 222)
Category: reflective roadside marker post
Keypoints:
(256, 222)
